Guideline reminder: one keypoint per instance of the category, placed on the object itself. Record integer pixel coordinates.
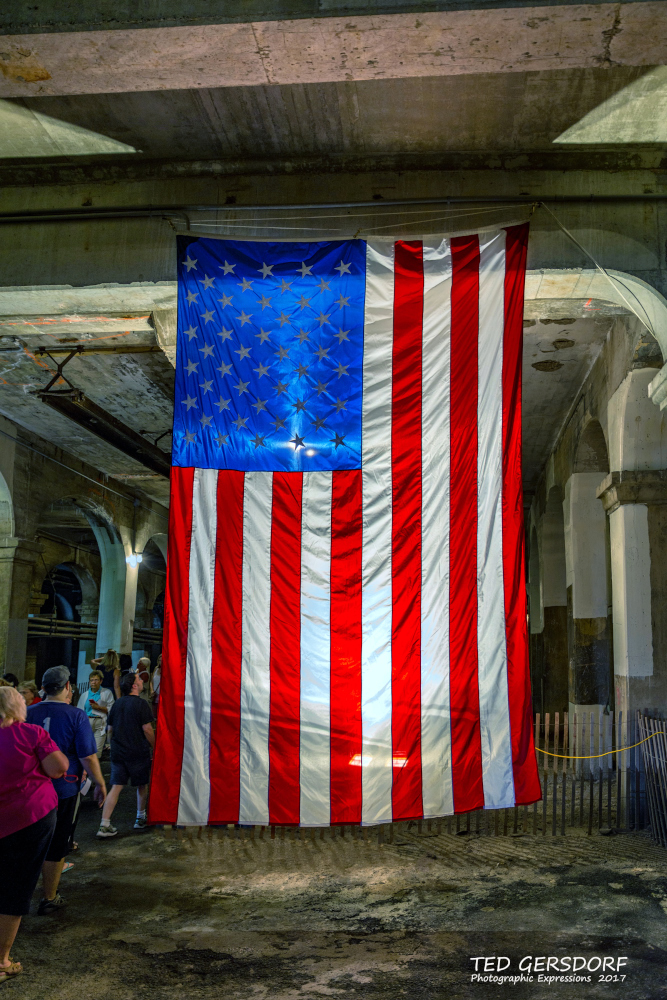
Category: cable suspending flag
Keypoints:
(345, 619)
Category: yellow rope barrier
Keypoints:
(593, 756)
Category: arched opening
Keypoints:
(591, 454)
(62, 593)
(71, 568)
(554, 605)
(587, 576)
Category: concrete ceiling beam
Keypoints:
(392, 46)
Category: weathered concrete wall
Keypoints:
(627, 236)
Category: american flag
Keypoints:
(345, 623)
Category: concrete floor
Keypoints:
(282, 919)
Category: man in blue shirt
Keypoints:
(70, 730)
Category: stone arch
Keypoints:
(160, 540)
(637, 428)
(6, 510)
(90, 592)
(591, 454)
(615, 287)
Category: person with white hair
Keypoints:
(29, 759)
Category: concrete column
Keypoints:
(129, 605)
(112, 590)
(636, 502)
(554, 608)
(88, 612)
(587, 598)
(17, 562)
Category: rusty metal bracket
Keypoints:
(59, 373)
(73, 403)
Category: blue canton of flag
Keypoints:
(269, 356)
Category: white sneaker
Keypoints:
(106, 831)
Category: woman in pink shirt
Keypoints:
(28, 804)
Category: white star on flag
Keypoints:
(189, 263)
(265, 270)
(342, 268)
(227, 267)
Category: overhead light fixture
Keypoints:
(134, 559)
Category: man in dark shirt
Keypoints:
(132, 737)
(70, 730)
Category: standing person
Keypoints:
(125, 663)
(155, 686)
(132, 737)
(70, 730)
(29, 691)
(29, 759)
(109, 664)
(96, 703)
(144, 671)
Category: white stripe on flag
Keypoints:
(437, 793)
(255, 664)
(492, 655)
(376, 703)
(195, 790)
(315, 728)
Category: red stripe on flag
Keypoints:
(345, 697)
(526, 778)
(168, 759)
(285, 666)
(463, 682)
(226, 648)
(406, 435)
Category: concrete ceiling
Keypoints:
(562, 338)
(558, 353)
(135, 388)
(512, 112)
(506, 86)
(91, 15)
